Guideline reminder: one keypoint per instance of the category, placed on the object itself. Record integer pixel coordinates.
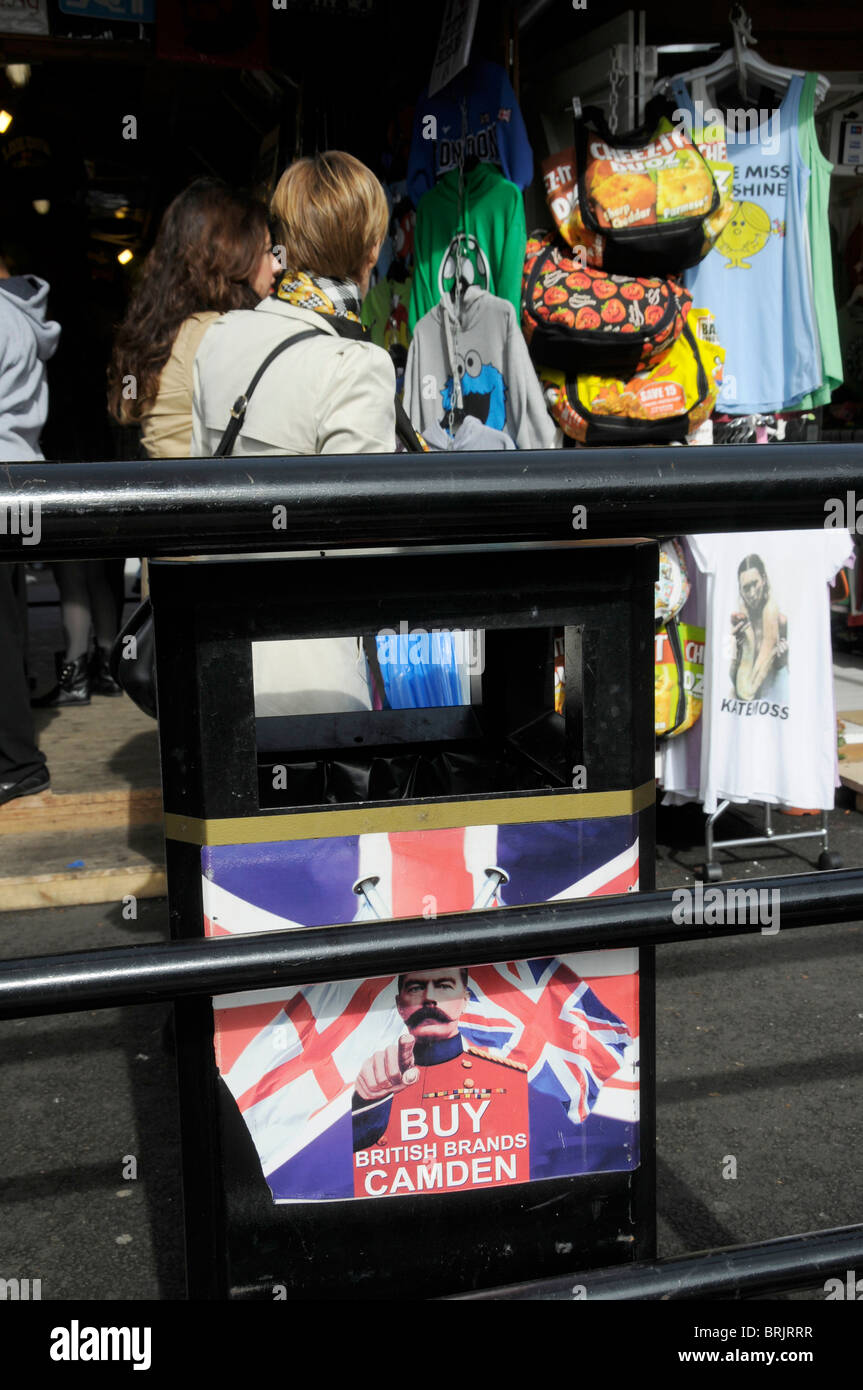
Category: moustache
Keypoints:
(427, 1013)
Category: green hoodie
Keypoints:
(493, 239)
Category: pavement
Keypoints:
(759, 1059)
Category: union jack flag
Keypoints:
(291, 1057)
(542, 1013)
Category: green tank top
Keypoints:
(818, 225)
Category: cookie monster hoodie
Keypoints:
(476, 364)
(27, 340)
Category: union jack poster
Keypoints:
(443, 1079)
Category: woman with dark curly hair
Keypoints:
(212, 253)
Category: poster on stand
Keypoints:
(442, 1078)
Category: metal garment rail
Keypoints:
(159, 971)
(184, 506)
(739, 1271)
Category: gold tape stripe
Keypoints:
(446, 815)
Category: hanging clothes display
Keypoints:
(479, 365)
(398, 244)
(851, 342)
(385, 312)
(818, 227)
(489, 239)
(495, 132)
(768, 728)
(470, 436)
(757, 280)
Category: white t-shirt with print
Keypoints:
(770, 719)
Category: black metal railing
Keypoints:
(182, 507)
(740, 1271)
(157, 971)
(187, 506)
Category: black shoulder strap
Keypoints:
(225, 446)
(370, 647)
(405, 430)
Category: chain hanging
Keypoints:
(456, 383)
(615, 79)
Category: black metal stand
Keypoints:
(711, 869)
(213, 752)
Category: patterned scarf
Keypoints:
(340, 298)
(327, 296)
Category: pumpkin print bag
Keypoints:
(581, 319)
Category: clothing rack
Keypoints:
(711, 869)
(741, 61)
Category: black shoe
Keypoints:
(73, 684)
(25, 786)
(101, 680)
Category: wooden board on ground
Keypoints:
(81, 811)
(103, 810)
(61, 868)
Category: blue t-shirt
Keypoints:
(496, 132)
(757, 280)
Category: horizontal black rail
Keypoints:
(154, 972)
(769, 1267)
(191, 506)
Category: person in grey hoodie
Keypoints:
(27, 339)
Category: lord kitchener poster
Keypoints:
(439, 1079)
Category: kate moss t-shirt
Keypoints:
(769, 717)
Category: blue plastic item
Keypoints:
(424, 670)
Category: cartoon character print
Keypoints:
(483, 391)
(746, 232)
(464, 252)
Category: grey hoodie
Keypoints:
(27, 340)
(476, 364)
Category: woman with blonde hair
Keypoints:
(325, 389)
(337, 394)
